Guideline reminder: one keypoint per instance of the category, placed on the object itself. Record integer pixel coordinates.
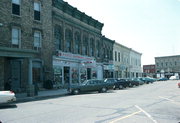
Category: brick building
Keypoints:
(167, 66)
(25, 43)
(149, 70)
(80, 50)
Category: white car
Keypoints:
(7, 97)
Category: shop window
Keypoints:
(94, 73)
(37, 9)
(83, 74)
(16, 7)
(57, 75)
(36, 75)
(16, 36)
(75, 76)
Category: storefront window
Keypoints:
(94, 73)
(83, 74)
(75, 77)
(58, 75)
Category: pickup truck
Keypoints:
(90, 85)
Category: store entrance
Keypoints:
(66, 75)
(88, 73)
(15, 75)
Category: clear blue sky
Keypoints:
(151, 27)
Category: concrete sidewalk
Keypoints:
(22, 97)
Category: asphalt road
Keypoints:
(150, 103)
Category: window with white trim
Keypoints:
(37, 11)
(16, 36)
(16, 7)
(37, 39)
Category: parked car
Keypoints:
(162, 79)
(147, 80)
(139, 81)
(134, 82)
(111, 80)
(179, 84)
(122, 83)
(91, 85)
(7, 97)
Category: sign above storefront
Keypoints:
(83, 60)
(71, 56)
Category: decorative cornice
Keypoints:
(74, 12)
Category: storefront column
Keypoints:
(30, 72)
(30, 87)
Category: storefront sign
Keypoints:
(109, 67)
(73, 56)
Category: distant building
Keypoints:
(149, 70)
(127, 62)
(167, 66)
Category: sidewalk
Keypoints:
(22, 97)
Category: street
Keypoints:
(150, 103)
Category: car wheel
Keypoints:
(130, 85)
(121, 87)
(103, 89)
(75, 92)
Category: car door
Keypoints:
(88, 86)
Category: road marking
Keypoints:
(170, 100)
(147, 114)
(166, 99)
(127, 116)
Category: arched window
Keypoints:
(98, 48)
(77, 43)
(85, 45)
(57, 37)
(91, 47)
(68, 39)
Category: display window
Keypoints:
(75, 75)
(94, 73)
(83, 74)
(57, 75)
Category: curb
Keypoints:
(36, 98)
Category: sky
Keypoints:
(151, 27)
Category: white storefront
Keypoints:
(73, 68)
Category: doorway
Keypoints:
(88, 73)
(66, 75)
(15, 75)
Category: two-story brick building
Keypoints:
(25, 43)
(80, 48)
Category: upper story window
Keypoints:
(119, 57)
(68, 38)
(98, 48)
(37, 39)
(91, 47)
(77, 43)
(115, 56)
(16, 36)
(37, 11)
(85, 45)
(58, 37)
(16, 7)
